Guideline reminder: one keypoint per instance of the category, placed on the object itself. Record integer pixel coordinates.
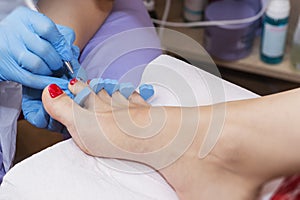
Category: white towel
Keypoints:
(64, 172)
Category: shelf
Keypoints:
(251, 64)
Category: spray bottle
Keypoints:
(275, 26)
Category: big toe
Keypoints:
(57, 104)
(62, 108)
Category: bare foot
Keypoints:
(115, 127)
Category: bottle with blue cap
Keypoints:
(275, 26)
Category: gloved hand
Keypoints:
(31, 48)
(32, 104)
(34, 111)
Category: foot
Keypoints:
(103, 127)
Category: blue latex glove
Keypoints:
(32, 106)
(31, 48)
(34, 111)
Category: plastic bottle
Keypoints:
(193, 10)
(295, 53)
(275, 26)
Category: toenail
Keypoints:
(73, 81)
(54, 91)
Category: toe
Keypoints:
(119, 101)
(136, 99)
(62, 108)
(55, 101)
(85, 96)
(76, 86)
(104, 96)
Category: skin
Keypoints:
(64, 12)
(242, 160)
(239, 164)
(84, 17)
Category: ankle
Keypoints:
(209, 181)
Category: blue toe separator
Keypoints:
(111, 86)
(146, 91)
(82, 75)
(126, 89)
(82, 96)
(97, 84)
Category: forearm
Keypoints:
(84, 17)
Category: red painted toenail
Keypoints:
(88, 82)
(73, 81)
(54, 90)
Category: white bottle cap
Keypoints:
(279, 9)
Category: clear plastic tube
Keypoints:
(163, 22)
(165, 17)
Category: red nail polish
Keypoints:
(54, 91)
(73, 81)
(88, 82)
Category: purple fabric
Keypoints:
(117, 49)
(2, 170)
(10, 106)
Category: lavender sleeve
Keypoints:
(124, 45)
(10, 106)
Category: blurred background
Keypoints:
(236, 49)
